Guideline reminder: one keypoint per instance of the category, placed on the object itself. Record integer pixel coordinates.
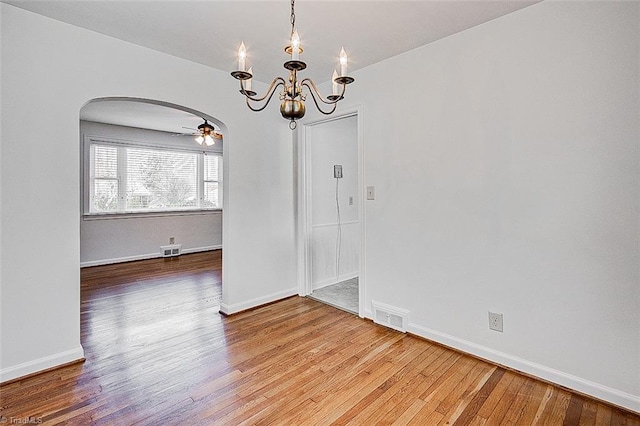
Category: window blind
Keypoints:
(128, 179)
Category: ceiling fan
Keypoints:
(205, 133)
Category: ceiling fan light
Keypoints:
(200, 139)
(209, 140)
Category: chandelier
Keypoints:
(292, 97)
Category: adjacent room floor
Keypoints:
(342, 295)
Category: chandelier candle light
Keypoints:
(292, 98)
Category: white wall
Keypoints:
(119, 239)
(508, 180)
(40, 305)
(330, 143)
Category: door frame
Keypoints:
(304, 207)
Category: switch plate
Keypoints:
(351, 200)
(371, 193)
(337, 171)
(495, 322)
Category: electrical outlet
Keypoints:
(172, 240)
(337, 171)
(495, 322)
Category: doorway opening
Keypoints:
(149, 188)
(331, 212)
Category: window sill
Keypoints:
(136, 215)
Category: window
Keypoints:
(128, 178)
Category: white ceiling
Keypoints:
(210, 31)
(146, 115)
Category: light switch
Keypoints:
(371, 193)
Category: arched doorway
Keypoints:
(133, 211)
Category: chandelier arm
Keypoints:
(258, 109)
(315, 101)
(270, 91)
(313, 88)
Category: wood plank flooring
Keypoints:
(158, 352)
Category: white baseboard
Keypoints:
(243, 306)
(605, 393)
(143, 256)
(37, 365)
(199, 249)
(119, 260)
(331, 281)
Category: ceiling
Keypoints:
(141, 114)
(209, 32)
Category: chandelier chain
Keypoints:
(293, 16)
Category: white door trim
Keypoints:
(304, 207)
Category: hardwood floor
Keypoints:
(158, 352)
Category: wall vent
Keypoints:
(390, 316)
(171, 250)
